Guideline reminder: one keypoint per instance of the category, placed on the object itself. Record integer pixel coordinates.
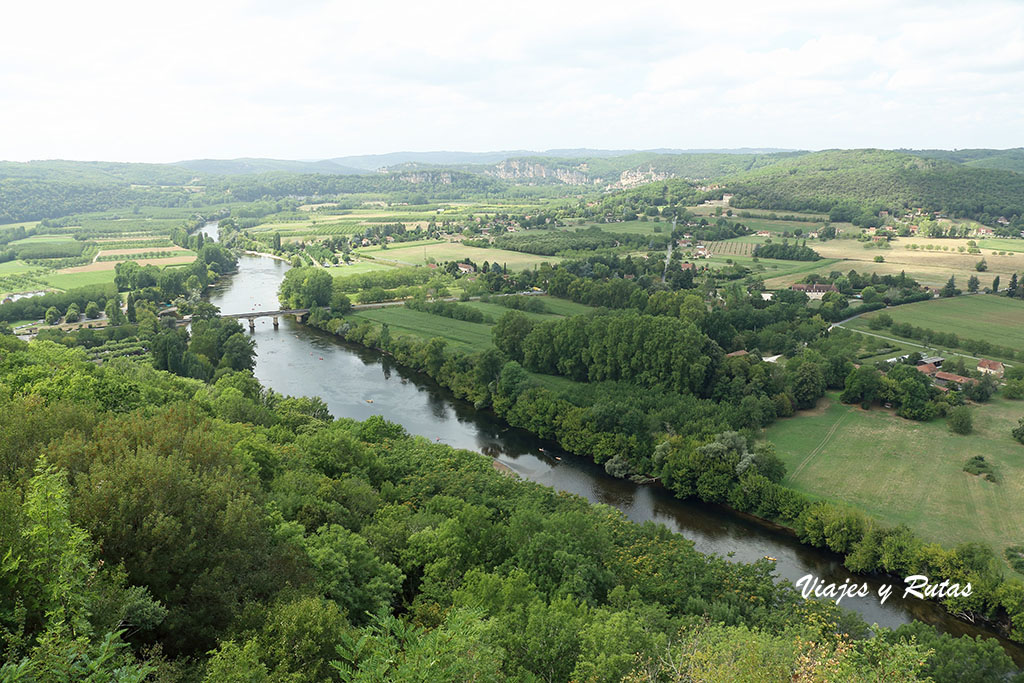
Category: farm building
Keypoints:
(945, 378)
(991, 367)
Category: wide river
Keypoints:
(357, 383)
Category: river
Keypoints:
(357, 383)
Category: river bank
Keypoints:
(300, 360)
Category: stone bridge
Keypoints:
(299, 313)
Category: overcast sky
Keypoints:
(146, 81)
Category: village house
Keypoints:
(763, 233)
(991, 367)
(928, 369)
(466, 267)
(984, 231)
(686, 265)
(701, 252)
(815, 291)
(812, 235)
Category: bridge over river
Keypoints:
(299, 313)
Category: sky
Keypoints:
(308, 79)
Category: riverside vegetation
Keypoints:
(162, 528)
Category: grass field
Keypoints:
(15, 267)
(929, 267)
(996, 319)
(556, 308)
(401, 320)
(892, 469)
(421, 252)
(64, 280)
(357, 268)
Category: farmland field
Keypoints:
(996, 319)
(65, 280)
(929, 267)
(401, 320)
(357, 268)
(556, 308)
(15, 267)
(892, 469)
(419, 253)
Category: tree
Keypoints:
(1011, 290)
(995, 284)
(113, 311)
(130, 307)
(981, 266)
(1018, 431)
(52, 316)
(510, 331)
(863, 386)
(950, 288)
(92, 310)
(972, 284)
(960, 420)
(808, 384)
(73, 314)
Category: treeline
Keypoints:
(786, 251)
(939, 338)
(224, 532)
(449, 309)
(48, 249)
(518, 302)
(550, 243)
(385, 279)
(34, 308)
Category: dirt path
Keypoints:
(820, 447)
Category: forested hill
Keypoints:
(624, 170)
(1004, 159)
(879, 179)
(51, 189)
(249, 165)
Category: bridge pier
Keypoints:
(275, 322)
(252, 324)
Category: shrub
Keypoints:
(960, 420)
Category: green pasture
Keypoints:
(996, 319)
(894, 469)
(403, 321)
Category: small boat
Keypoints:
(770, 558)
(369, 400)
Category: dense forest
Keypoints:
(159, 528)
(880, 179)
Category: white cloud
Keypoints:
(140, 81)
